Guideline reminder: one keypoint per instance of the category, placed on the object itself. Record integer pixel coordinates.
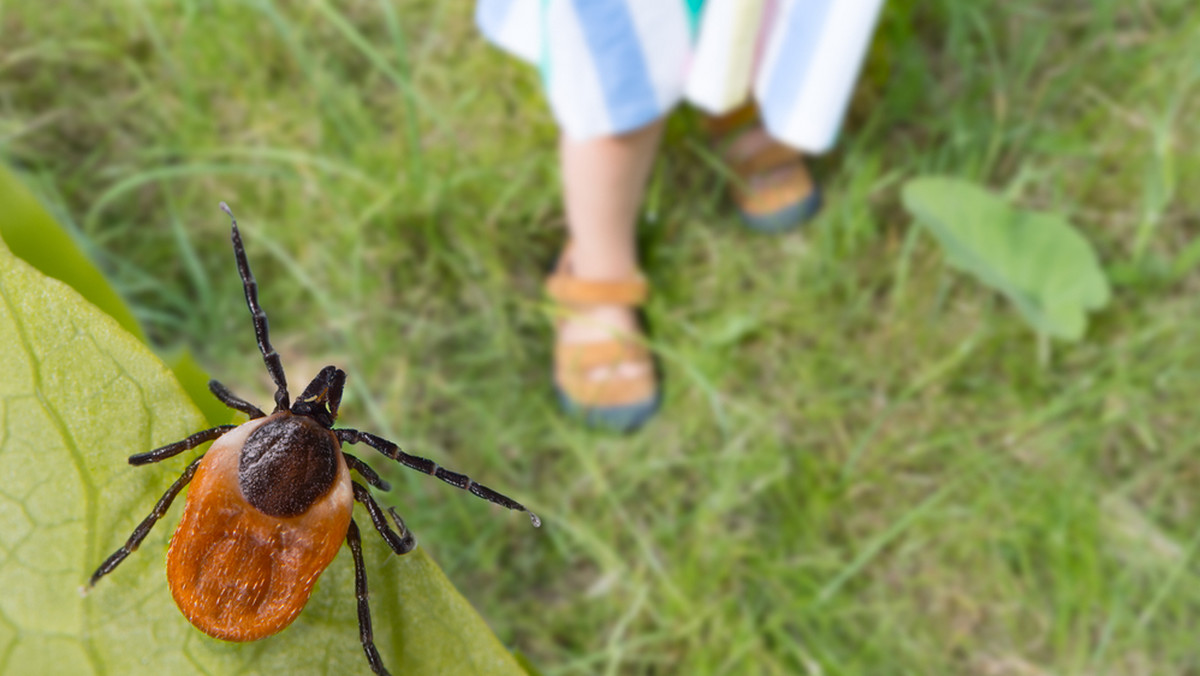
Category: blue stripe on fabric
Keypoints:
(694, 9)
(612, 39)
(544, 59)
(804, 25)
(490, 16)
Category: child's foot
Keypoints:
(775, 191)
(602, 369)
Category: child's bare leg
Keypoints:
(604, 181)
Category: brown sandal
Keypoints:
(775, 191)
(618, 403)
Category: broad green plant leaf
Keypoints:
(34, 236)
(78, 394)
(1038, 260)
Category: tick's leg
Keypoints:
(401, 543)
(427, 466)
(367, 473)
(172, 450)
(143, 529)
(233, 401)
(364, 609)
(270, 356)
(405, 534)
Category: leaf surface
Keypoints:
(1038, 260)
(35, 237)
(78, 394)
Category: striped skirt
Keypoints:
(613, 66)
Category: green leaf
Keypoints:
(1038, 260)
(34, 236)
(78, 394)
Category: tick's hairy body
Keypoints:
(237, 572)
(272, 501)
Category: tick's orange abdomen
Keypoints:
(237, 573)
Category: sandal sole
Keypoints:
(786, 219)
(625, 418)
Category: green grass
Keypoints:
(860, 468)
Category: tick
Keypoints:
(270, 503)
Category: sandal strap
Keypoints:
(583, 357)
(574, 362)
(574, 291)
(720, 128)
(725, 128)
(773, 156)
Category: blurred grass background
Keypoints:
(860, 468)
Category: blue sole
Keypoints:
(787, 218)
(626, 418)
